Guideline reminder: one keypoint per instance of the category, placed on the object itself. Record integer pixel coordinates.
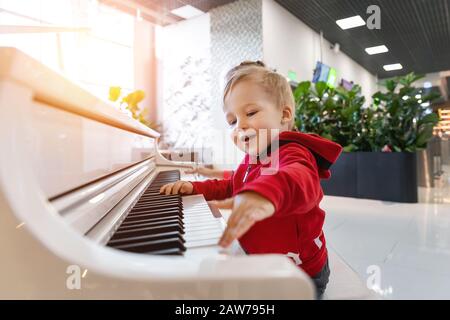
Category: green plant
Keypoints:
(399, 120)
(332, 113)
(405, 121)
(131, 103)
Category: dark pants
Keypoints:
(321, 280)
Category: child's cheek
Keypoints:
(234, 137)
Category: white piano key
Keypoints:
(201, 243)
(202, 236)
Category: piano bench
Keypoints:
(345, 283)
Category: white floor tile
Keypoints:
(410, 243)
(409, 283)
(427, 259)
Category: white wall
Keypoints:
(289, 44)
(185, 78)
(194, 56)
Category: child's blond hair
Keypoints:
(274, 83)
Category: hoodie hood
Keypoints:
(325, 152)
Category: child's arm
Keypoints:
(214, 189)
(211, 189)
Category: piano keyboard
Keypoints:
(167, 224)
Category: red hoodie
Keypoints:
(295, 229)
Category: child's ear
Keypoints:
(286, 115)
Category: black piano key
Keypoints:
(156, 193)
(132, 222)
(153, 245)
(150, 207)
(155, 203)
(148, 212)
(147, 200)
(150, 223)
(142, 211)
(167, 235)
(153, 210)
(154, 197)
(147, 230)
(154, 225)
(146, 219)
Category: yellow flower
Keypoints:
(114, 93)
(134, 98)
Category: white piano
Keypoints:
(79, 215)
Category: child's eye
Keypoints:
(232, 123)
(251, 113)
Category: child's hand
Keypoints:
(181, 187)
(248, 208)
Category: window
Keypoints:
(89, 43)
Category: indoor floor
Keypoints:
(410, 243)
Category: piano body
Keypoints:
(80, 216)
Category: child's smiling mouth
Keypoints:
(245, 138)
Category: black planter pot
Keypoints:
(388, 176)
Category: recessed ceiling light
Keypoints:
(377, 49)
(391, 67)
(351, 22)
(187, 12)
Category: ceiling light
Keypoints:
(377, 49)
(187, 12)
(427, 84)
(391, 67)
(351, 22)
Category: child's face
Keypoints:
(248, 109)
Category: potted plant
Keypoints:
(380, 141)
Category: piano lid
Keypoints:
(72, 137)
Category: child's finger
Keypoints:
(233, 233)
(230, 231)
(224, 204)
(185, 189)
(243, 226)
(176, 187)
(227, 237)
(168, 189)
(162, 189)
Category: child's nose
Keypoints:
(242, 125)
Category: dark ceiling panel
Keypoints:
(417, 32)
